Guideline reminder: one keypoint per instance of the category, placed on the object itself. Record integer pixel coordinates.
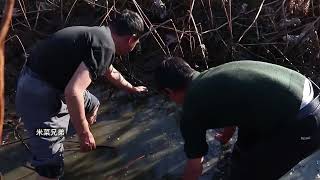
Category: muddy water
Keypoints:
(147, 140)
(309, 168)
(146, 137)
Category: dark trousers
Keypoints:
(271, 157)
(42, 107)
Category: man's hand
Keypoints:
(221, 138)
(193, 169)
(139, 89)
(87, 142)
(226, 135)
(75, 102)
(118, 80)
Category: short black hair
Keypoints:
(173, 73)
(127, 23)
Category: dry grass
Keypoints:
(204, 32)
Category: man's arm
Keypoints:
(74, 98)
(118, 80)
(193, 169)
(195, 147)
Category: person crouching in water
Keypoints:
(52, 86)
(275, 109)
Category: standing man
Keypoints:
(273, 107)
(52, 86)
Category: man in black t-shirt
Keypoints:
(52, 85)
(276, 110)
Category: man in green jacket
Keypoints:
(275, 109)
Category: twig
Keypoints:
(52, 3)
(107, 5)
(276, 48)
(228, 16)
(319, 6)
(74, 3)
(106, 16)
(24, 14)
(284, 17)
(30, 12)
(114, 4)
(19, 137)
(24, 50)
(179, 31)
(189, 25)
(190, 39)
(262, 44)
(20, 23)
(179, 40)
(204, 56)
(191, 18)
(312, 7)
(237, 17)
(255, 19)
(37, 17)
(205, 10)
(61, 10)
(95, 4)
(154, 28)
(155, 31)
(24, 5)
(257, 30)
(149, 26)
(221, 26)
(224, 43)
(240, 45)
(211, 15)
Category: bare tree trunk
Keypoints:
(5, 23)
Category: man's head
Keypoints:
(173, 77)
(126, 29)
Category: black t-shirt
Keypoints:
(56, 59)
(259, 97)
